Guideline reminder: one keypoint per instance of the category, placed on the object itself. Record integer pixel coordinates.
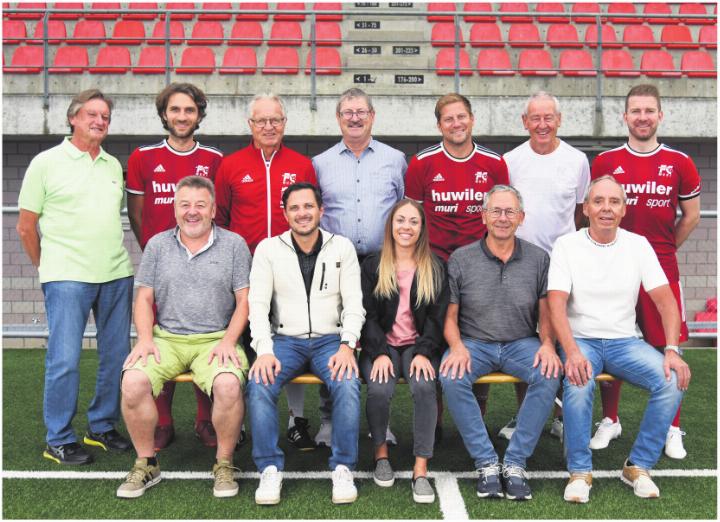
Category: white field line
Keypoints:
(452, 504)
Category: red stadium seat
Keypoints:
(92, 14)
(584, 8)
(695, 9)
(239, 60)
(88, 32)
(207, 33)
(486, 35)
(524, 35)
(658, 64)
(13, 32)
(494, 62)
(215, 6)
(442, 7)
(708, 37)
(576, 62)
(177, 33)
(443, 35)
(152, 61)
(141, 16)
(707, 317)
(66, 5)
(514, 7)
(562, 35)
(677, 37)
(281, 60)
(609, 39)
(56, 33)
(445, 63)
(639, 37)
(246, 33)
(327, 61)
(551, 8)
(328, 34)
(477, 7)
(253, 6)
(112, 60)
(289, 6)
(659, 8)
(69, 60)
(25, 15)
(25, 60)
(285, 33)
(618, 62)
(536, 62)
(328, 6)
(616, 10)
(179, 5)
(197, 60)
(711, 304)
(698, 64)
(128, 32)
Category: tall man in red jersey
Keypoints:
(657, 180)
(153, 172)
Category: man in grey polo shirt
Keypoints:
(498, 291)
(198, 276)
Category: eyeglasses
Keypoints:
(362, 114)
(274, 122)
(510, 213)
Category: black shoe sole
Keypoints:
(490, 495)
(99, 444)
(55, 459)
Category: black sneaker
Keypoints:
(72, 454)
(488, 485)
(110, 440)
(516, 483)
(299, 437)
(242, 439)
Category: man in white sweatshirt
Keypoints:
(305, 311)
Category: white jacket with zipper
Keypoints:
(277, 292)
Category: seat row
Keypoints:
(152, 60)
(132, 32)
(577, 62)
(488, 34)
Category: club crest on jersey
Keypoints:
(288, 178)
(202, 170)
(665, 170)
(481, 177)
(438, 177)
(618, 170)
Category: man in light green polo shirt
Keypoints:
(74, 192)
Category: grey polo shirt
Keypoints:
(498, 301)
(195, 293)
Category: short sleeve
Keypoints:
(651, 273)
(241, 270)
(454, 279)
(689, 180)
(400, 181)
(502, 176)
(146, 272)
(599, 168)
(583, 181)
(135, 183)
(559, 274)
(414, 186)
(543, 275)
(32, 192)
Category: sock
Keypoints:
(152, 461)
(676, 420)
(164, 404)
(610, 394)
(296, 401)
(204, 406)
(629, 463)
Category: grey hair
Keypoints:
(81, 99)
(607, 177)
(541, 95)
(266, 96)
(196, 182)
(503, 188)
(351, 93)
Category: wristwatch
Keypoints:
(674, 348)
(351, 344)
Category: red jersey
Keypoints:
(249, 191)
(155, 170)
(452, 192)
(654, 182)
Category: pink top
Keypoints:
(403, 331)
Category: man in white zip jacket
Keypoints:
(305, 311)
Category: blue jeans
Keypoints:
(514, 358)
(68, 305)
(294, 355)
(636, 362)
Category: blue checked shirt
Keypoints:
(358, 193)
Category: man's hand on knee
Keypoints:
(457, 362)
(547, 358)
(142, 350)
(265, 368)
(343, 363)
(578, 369)
(225, 353)
(674, 362)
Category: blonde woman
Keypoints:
(405, 296)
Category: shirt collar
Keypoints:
(517, 251)
(315, 249)
(211, 240)
(76, 153)
(342, 147)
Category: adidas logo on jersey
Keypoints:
(438, 177)
(618, 170)
(159, 168)
(247, 179)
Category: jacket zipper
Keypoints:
(322, 279)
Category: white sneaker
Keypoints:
(389, 437)
(557, 428)
(578, 488)
(506, 432)
(673, 443)
(268, 492)
(343, 489)
(324, 434)
(639, 479)
(607, 431)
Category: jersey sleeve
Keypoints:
(651, 273)
(310, 175)
(502, 176)
(217, 161)
(583, 181)
(135, 183)
(599, 167)
(559, 275)
(414, 182)
(689, 180)
(223, 194)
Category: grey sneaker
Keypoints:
(225, 485)
(141, 477)
(506, 432)
(422, 491)
(557, 428)
(383, 474)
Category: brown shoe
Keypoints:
(164, 435)
(206, 433)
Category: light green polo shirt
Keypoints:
(79, 202)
